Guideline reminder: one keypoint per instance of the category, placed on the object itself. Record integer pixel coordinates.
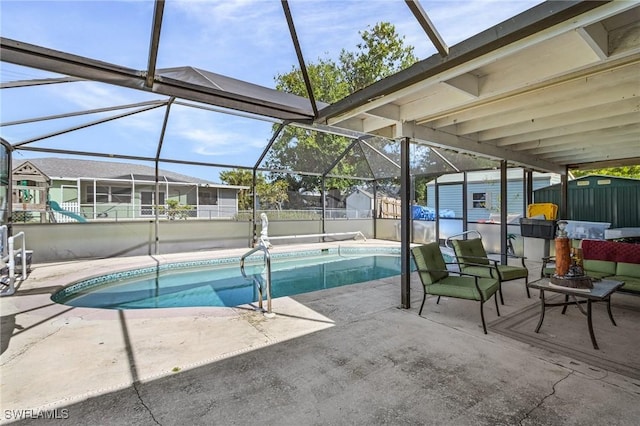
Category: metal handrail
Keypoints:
(355, 234)
(267, 261)
(446, 242)
(10, 259)
(4, 235)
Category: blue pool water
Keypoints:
(223, 285)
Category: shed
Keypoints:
(598, 198)
(359, 204)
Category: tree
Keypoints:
(381, 53)
(270, 194)
(177, 210)
(625, 171)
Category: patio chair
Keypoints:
(439, 281)
(473, 259)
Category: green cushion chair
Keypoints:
(439, 281)
(473, 259)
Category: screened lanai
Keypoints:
(547, 87)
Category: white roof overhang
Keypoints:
(557, 86)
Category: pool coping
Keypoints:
(70, 290)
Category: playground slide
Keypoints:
(56, 207)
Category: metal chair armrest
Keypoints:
(494, 261)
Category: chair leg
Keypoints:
(495, 299)
(526, 281)
(438, 301)
(423, 300)
(484, 326)
(500, 291)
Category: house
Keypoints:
(65, 189)
(483, 193)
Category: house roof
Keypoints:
(70, 168)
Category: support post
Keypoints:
(375, 209)
(564, 195)
(436, 203)
(254, 236)
(465, 202)
(405, 199)
(324, 205)
(503, 212)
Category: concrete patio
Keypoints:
(342, 356)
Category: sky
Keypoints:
(243, 39)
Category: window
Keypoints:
(208, 197)
(108, 194)
(120, 195)
(479, 200)
(147, 203)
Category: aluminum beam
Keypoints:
(38, 57)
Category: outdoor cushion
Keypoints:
(481, 271)
(599, 268)
(628, 269)
(508, 272)
(429, 257)
(599, 250)
(470, 251)
(505, 272)
(631, 284)
(611, 250)
(464, 288)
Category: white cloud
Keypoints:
(88, 95)
(82, 96)
(217, 135)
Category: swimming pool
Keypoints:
(219, 282)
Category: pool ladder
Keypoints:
(261, 284)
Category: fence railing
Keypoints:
(74, 212)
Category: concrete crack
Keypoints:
(135, 388)
(27, 347)
(553, 391)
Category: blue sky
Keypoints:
(245, 39)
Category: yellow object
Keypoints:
(549, 210)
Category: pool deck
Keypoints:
(347, 355)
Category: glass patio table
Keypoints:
(601, 292)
